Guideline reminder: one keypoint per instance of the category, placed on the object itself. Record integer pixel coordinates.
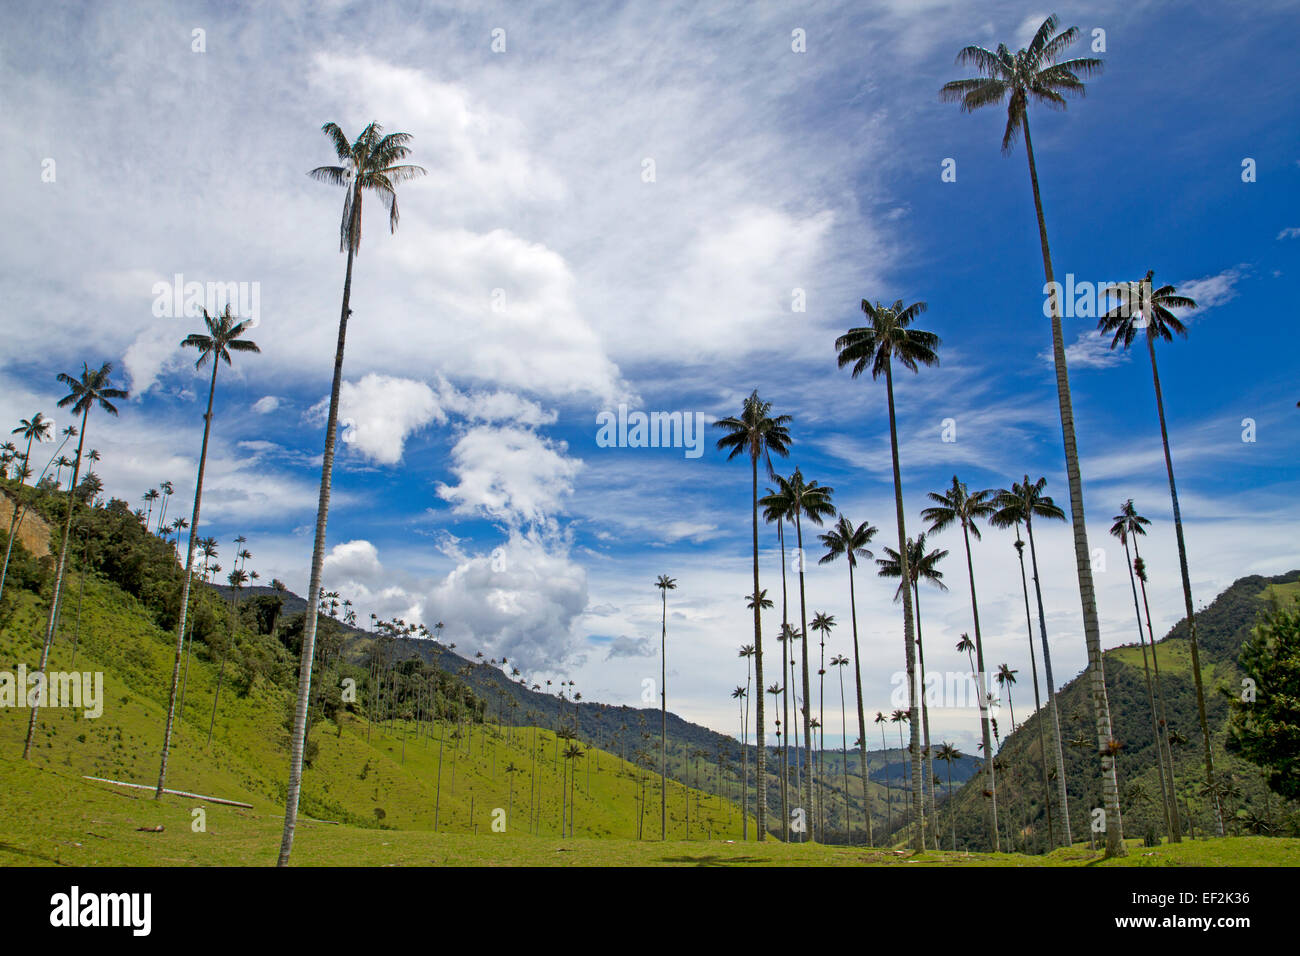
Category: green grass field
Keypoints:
(48, 817)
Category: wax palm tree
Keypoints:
(948, 753)
(822, 624)
(843, 539)
(1033, 661)
(373, 162)
(664, 584)
(900, 717)
(889, 786)
(63, 461)
(838, 662)
(1143, 307)
(959, 506)
(921, 566)
(1034, 73)
(756, 432)
(34, 429)
(777, 509)
(167, 491)
(1006, 678)
(1022, 503)
(208, 548)
(224, 335)
(149, 497)
(887, 337)
(92, 389)
(747, 652)
(797, 498)
(1128, 526)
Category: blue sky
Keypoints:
(538, 278)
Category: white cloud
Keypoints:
(266, 404)
(509, 473)
(1090, 350)
(146, 359)
(1290, 232)
(380, 412)
(1210, 291)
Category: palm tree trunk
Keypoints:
(313, 588)
(809, 811)
(982, 690)
(1082, 557)
(1151, 695)
(925, 716)
(1175, 818)
(952, 809)
(14, 518)
(81, 593)
(785, 692)
(844, 756)
(185, 587)
(1187, 591)
(889, 787)
(1052, 710)
(760, 760)
(918, 813)
(663, 720)
(862, 719)
(58, 581)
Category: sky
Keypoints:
(661, 207)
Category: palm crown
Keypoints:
(795, 498)
(93, 388)
(372, 162)
(1141, 306)
(888, 335)
(1128, 523)
(224, 337)
(1032, 73)
(755, 431)
(920, 565)
(1024, 501)
(960, 506)
(844, 539)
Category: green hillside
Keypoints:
(1222, 628)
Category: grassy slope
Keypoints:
(72, 822)
(248, 760)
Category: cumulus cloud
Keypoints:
(631, 647)
(380, 412)
(520, 600)
(266, 405)
(146, 358)
(509, 473)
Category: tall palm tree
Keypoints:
(1143, 307)
(34, 429)
(742, 695)
(373, 162)
(948, 753)
(797, 499)
(208, 548)
(901, 717)
(889, 786)
(1006, 677)
(777, 510)
(167, 491)
(92, 389)
(1034, 73)
(822, 623)
(843, 539)
(1033, 663)
(838, 662)
(149, 497)
(1024, 502)
(664, 584)
(1129, 525)
(921, 566)
(224, 335)
(959, 506)
(747, 652)
(757, 432)
(888, 335)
